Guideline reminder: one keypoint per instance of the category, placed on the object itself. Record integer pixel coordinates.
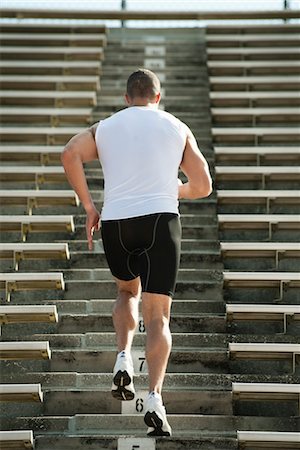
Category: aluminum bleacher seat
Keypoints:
(51, 53)
(50, 39)
(268, 439)
(57, 99)
(252, 40)
(38, 135)
(254, 83)
(40, 154)
(250, 312)
(16, 439)
(50, 68)
(52, 27)
(282, 280)
(21, 393)
(258, 197)
(45, 116)
(265, 351)
(261, 173)
(28, 314)
(34, 174)
(50, 83)
(260, 250)
(266, 391)
(40, 224)
(255, 135)
(255, 116)
(249, 68)
(11, 282)
(33, 198)
(19, 252)
(257, 155)
(265, 53)
(254, 99)
(25, 350)
(259, 221)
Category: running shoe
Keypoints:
(155, 417)
(122, 386)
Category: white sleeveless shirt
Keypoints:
(140, 149)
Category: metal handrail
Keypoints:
(148, 15)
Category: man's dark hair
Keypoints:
(143, 83)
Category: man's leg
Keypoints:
(156, 314)
(125, 319)
(125, 312)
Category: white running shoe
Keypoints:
(155, 416)
(122, 386)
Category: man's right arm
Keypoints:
(195, 167)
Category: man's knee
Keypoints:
(129, 288)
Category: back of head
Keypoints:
(143, 84)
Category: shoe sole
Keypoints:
(121, 380)
(152, 420)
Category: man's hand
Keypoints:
(92, 224)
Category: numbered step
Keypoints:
(136, 444)
(137, 405)
(139, 362)
(141, 326)
(155, 50)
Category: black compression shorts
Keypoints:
(146, 246)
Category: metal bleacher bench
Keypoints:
(265, 351)
(260, 173)
(51, 67)
(256, 135)
(25, 224)
(266, 197)
(33, 198)
(39, 135)
(52, 116)
(252, 99)
(28, 313)
(47, 53)
(268, 439)
(25, 350)
(257, 155)
(260, 250)
(36, 174)
(65, 39)
(259, 221)
(266, 391)
(21, 393)
(253, 53)
(255, 116)
(57, 99)
(19, 252)
(253, 67)
(252, 83)
(54, 82)
(42, 154)
(248, 40)
(30, 281)
(16, 439)
(52, 27)
(251, 312)
(263, 279)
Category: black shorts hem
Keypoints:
(158, 291)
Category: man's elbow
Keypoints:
(67, 155)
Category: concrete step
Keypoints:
(188, 425)
(105, 306)
(100, 401)
(206, 360)
(173, 381)
(97, 442)
(92, 323)
(96, 340)
(191, 259)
